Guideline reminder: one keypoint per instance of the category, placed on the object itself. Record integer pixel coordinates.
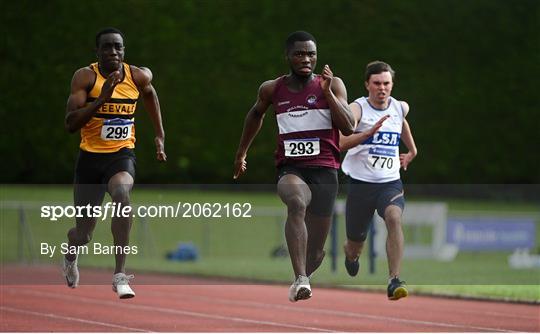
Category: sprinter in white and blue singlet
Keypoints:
(310, 110)
(373, 163)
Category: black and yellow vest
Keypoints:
(113, 125)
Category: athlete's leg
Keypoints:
(119, 187)
(395, 240)
(359, 209)
(81, 234)
(390, 205)
(88, 193)
(317, 231)
(324, 188)
(295, 193)
(357, 220)
(353, 249)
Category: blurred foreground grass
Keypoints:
(241, 248)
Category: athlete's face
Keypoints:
(380, 86)
(302, 58)
(110, 51)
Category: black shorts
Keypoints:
(362, 201)
(98, 168)
(323, 184)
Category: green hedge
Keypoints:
(469, 70)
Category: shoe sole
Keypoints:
(71, 285)
(399, 293)
(124, 296)
(303, 294)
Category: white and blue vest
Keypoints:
(376, 160)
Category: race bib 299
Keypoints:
(116, 129)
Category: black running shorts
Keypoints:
(323, 184)
(98, 168)
(93, 171)
(363, 199)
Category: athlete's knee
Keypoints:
(121, 193)
(392, 216)
(296, 204)
(357, 236)
(392, 221)
(79, 238)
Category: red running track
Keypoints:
(167, 303)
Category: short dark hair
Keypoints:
(298, 36)
(377, 67)
(108, 30)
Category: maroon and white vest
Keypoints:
(307, 137)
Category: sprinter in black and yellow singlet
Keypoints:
(102, 106)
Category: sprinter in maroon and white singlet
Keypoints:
(310, 110)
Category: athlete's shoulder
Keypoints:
(337, 79)
(337, 83)
(270, 83)
(274, 82)
(140, 70)
(142, 76)
(267, 88)
(86, 71)
(359, 101)
(404, 106)
(84, 77)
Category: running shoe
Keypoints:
(300, 289)
(120, 285)
(71, 273)
(397, 289)
(352, 266)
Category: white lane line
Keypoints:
(331, 312)
(61, 317)
(172, 311)
(500, 314)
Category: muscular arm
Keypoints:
(77, 115)
(336, 96)
(355, 139)
(408, 140)
(143, 79)
(252, 125)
